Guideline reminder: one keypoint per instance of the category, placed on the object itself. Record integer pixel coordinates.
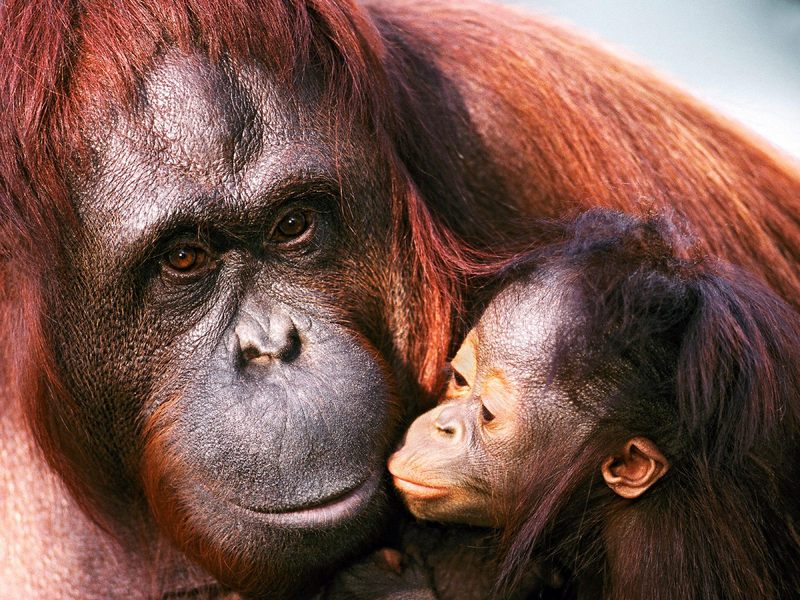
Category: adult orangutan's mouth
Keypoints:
(418, 490)
(328, 511)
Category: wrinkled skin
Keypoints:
(263, 413)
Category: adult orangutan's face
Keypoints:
(215, 321)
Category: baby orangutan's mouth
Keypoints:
(418, 490)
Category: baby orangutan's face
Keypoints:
(461, 461)
(449, 465)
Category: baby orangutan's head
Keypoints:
(537, 380)
(504, 415)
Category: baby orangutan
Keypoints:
(508, 413)
(628, 410)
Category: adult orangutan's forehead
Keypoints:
(224, 112)
(201, 114)
(202, 132)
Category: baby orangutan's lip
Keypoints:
(418, 490)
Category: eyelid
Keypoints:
(189, 242)
(487, 416)
(314, 206)
(465, 360)
(499, 396)
(458, 378)
(453, 390)
(314, 203)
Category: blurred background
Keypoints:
(740, 56)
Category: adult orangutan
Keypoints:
(231, 236)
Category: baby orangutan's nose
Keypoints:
(449, 423)
(432, 445)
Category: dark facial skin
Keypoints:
(201, 326)
(457, 459)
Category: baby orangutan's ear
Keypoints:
(631, 472)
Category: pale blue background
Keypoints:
(741, 56)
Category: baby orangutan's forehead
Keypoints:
(520, 324)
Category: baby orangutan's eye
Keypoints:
(459, 380)
(486, 414)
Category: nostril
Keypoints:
(291, 347)
(273, 337)
(283, 337)
(448, 421)
(250, 353)
(252, 338)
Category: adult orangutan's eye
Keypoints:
(293, 225)
(185, 259)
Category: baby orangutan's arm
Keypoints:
(386, 574)
(435, 562)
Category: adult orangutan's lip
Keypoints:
(326, 512)
(418, 490)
